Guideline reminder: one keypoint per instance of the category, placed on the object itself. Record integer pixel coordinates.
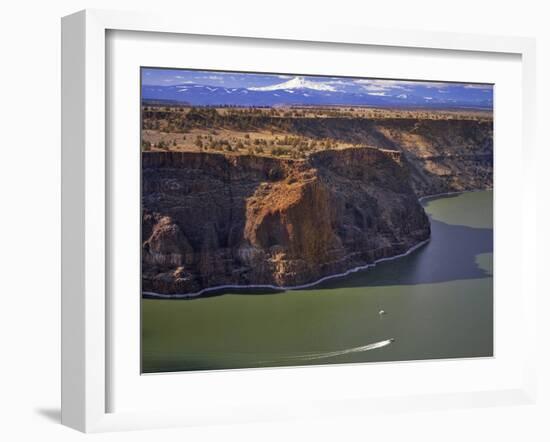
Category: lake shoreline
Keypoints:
(200, 293)
(458, 192)
(446, 287)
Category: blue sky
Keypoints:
(459, 94)
(171, 77)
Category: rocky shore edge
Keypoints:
(153, 295)
(207, 290)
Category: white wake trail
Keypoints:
(346, 351)
(331, 354)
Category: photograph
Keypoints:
(237, 222)
(292, 219)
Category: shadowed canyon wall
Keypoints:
(444, 155)
(212, 219)
(444, 152)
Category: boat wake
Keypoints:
(331, 354)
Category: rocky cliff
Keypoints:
(211, 219)
(445, 151)
(443, 155)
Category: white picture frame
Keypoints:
(85, 196)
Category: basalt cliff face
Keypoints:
(442, 155)
(214, 219)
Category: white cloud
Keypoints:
(478, 86)
(384, 85)
(379, 94)
(379, 85)
(375, 87)
(435, 85)
(210, 77)
(340, 82)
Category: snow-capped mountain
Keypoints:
(297, 83)
(304, 91)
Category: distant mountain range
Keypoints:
(301, 91)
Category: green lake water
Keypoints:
(438, 303)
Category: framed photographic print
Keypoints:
(252, 213)
(317, 219)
